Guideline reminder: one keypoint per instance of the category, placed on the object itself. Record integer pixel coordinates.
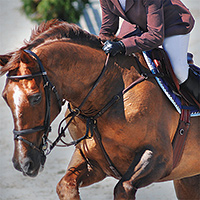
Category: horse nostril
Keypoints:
(27, 165)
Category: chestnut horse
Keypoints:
(135, 131)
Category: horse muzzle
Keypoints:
(29, 166)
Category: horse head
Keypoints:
(28, 89)
(25, 94)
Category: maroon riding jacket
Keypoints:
(156, 18)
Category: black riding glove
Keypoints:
(114, 48)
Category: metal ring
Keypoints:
(182, 131)
(77, 111)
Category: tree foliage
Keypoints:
(67, 10)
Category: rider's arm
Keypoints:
(154, 33)
(110, 21)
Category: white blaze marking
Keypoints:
(17, 96)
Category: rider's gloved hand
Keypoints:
(114, 47)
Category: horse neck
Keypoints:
(74, 68)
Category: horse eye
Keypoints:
(35, 99)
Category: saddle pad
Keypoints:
(175, 100)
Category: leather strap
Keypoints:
(27, 131)
(180, 136)
(26, 76)
(110, 163)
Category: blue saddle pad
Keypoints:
(175, 99)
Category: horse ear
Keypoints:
(26, 58)
(4, 59)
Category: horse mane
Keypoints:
(50, 31)
(60, 30)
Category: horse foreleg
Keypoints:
(145, 169)
(188, 188)
(79, 173)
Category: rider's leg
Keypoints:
(176, 48)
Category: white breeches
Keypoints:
(176, 48)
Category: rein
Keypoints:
(91, 122)
(74, 113)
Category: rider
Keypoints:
(161, 22)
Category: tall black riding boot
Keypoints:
(192, 84)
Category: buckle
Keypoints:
(145, 75)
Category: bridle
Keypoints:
(48, 86)
(91, 122)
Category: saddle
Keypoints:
(162, 62)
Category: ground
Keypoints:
(14, 28)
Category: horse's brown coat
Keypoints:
(135, 132)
